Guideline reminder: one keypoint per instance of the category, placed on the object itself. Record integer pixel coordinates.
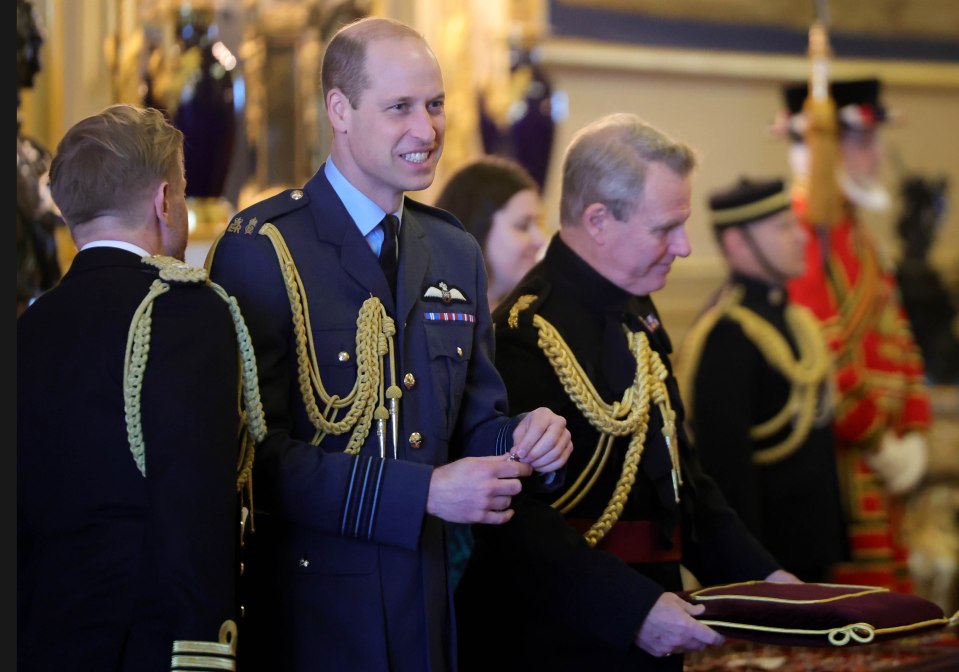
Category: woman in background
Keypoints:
(498, 202)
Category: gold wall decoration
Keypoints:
(471, 39)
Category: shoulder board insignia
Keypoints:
(445, 293)
(522, 303)
(249, 220)
(726, 297)
(174, 270)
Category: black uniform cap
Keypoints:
(747, 201)
(857, 102)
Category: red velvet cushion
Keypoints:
(813, 614)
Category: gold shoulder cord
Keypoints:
(627, 417)
(692, 349)
(806, 373)
(253, 424)
(375, 330)
(859, 303)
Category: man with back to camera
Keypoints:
(129, 374)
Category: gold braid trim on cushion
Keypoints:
(726, 608)
(627, 417)
(375, 330)
(253, 423)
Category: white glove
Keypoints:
(900, 461)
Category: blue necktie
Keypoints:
(389, 254)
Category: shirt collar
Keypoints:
(365, 213)
(120, 244)
(760, 292)
(583, 281)
(576, 278)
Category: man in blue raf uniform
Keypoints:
(580, 334)
(386, 413)
(755, 372)
(127, 422)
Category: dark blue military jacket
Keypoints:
(353, 569)
(114, 566)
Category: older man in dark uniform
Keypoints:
(756, 375)
(581, 335)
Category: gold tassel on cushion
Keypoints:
(201, 656)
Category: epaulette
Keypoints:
(249, 220)
(439, 213)
(173, 270)
(523, 305)
(727, 296)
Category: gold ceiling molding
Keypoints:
(590, 54)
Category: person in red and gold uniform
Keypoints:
(883, 411)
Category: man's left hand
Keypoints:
(542, 441)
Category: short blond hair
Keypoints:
(106, 164)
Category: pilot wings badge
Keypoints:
(445, 293)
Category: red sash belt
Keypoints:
(634, 541)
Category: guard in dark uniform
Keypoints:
(756, 374)
(581, 335)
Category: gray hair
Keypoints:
(606, 163)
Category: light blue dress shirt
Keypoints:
(366, 214)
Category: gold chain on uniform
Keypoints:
(627, 417)
(805, 373)
(253, 424)
(375, 330)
